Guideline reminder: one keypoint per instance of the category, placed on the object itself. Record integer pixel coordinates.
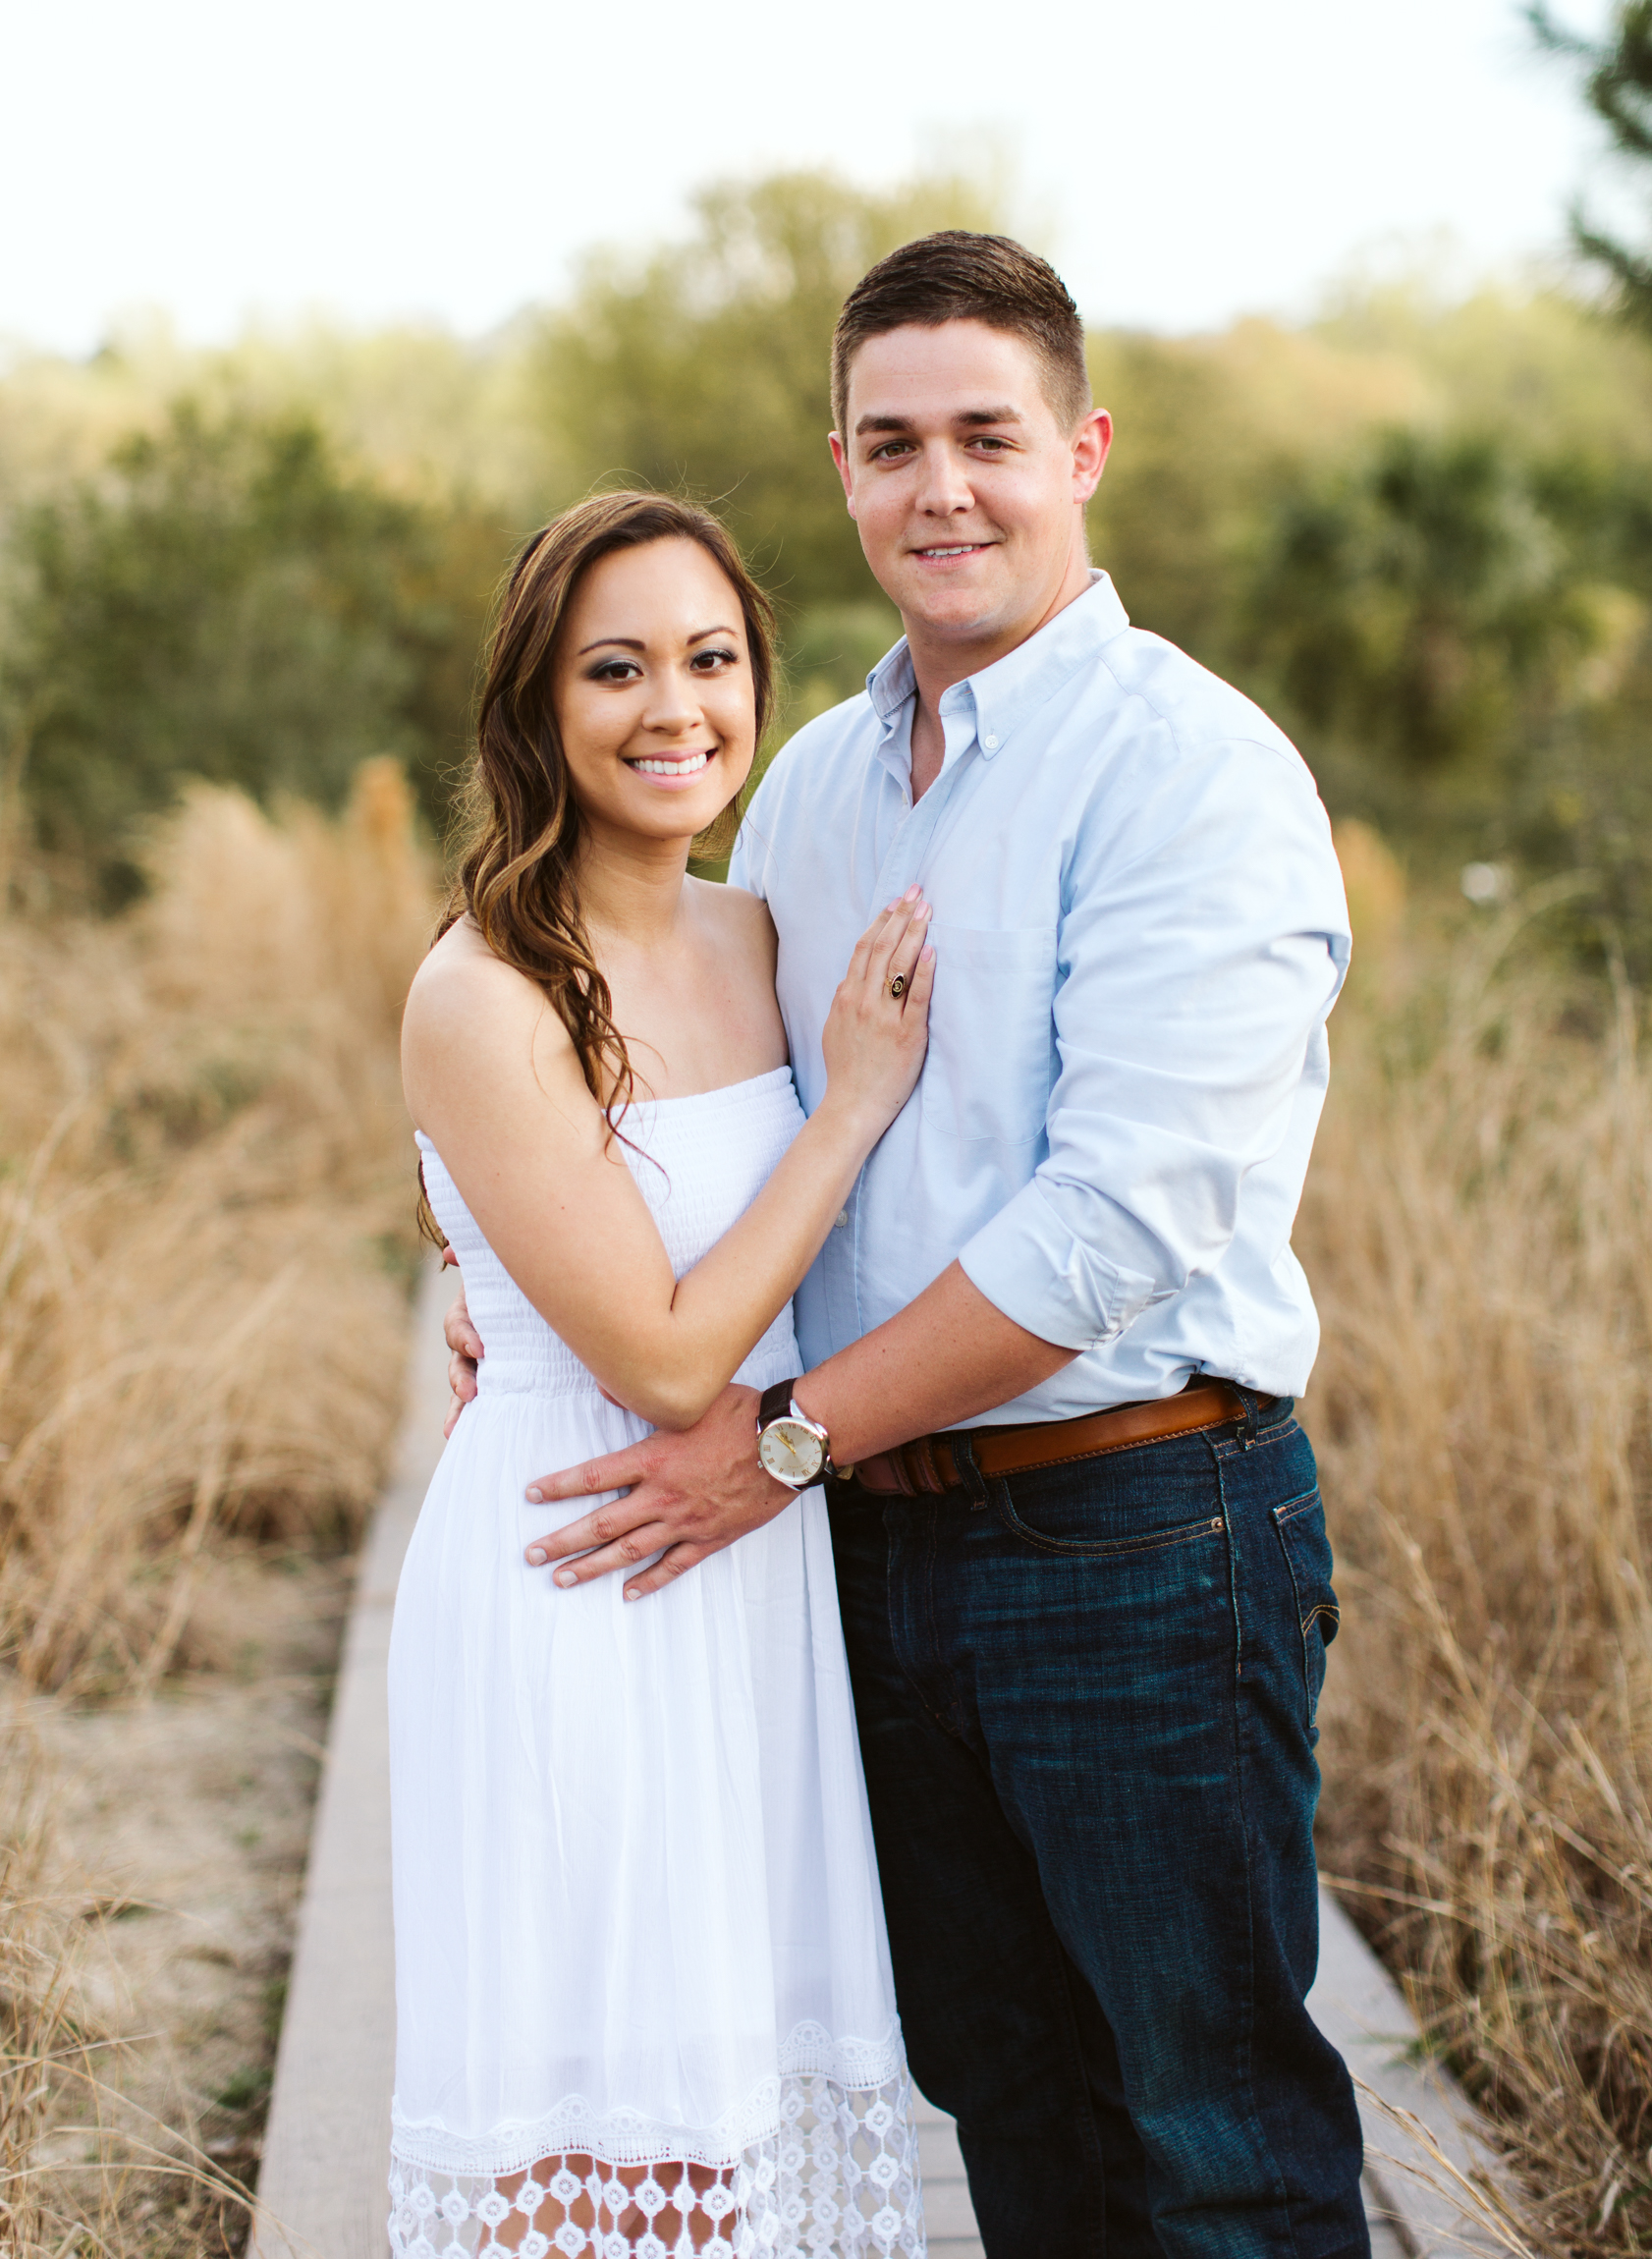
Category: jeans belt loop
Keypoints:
(1252, 1403)
(969, 1474)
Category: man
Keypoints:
(1054, 1340)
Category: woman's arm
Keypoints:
(493, 1079)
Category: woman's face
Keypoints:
(653, 691)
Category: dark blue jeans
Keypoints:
(1086, 1703)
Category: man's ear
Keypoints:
(1090, 444)
(840, 456)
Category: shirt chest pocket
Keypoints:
(991, 1059)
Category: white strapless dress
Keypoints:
(642, 1988)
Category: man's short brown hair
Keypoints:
(956, 276)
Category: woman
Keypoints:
(642, 1988)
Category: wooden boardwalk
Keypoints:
(322, 2191)
(946, 2211)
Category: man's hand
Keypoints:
(465, 1353)
(689, 1494)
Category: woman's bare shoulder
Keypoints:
(468, 1007)
(460, 975)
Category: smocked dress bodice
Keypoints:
(700, 1161)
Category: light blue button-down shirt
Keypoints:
(1140, 929)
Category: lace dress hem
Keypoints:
(816, 2161)
(632, 2137)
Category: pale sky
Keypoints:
(1196, 158)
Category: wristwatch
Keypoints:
(790, 1445)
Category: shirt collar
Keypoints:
(1017, 684)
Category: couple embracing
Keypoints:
(953, 1635)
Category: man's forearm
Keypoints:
(947, 1357)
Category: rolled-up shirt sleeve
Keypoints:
(1203, 941)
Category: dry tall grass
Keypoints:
(36, 1995)
(1478, 1229)
(205, 1200)
(206, 1233)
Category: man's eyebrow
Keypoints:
(975, 417)
(631, 642)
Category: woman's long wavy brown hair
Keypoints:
(520, 823)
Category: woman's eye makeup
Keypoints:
(709, 662)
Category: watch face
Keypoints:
(792, 1453)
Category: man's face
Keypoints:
(968, 493)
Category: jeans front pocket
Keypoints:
(1301, 1523)
(1118, 1505)
(1108, 1548)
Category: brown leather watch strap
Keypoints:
(926, 1468)
(775, 1402)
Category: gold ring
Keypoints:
(898, 986)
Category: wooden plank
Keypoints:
(1385, 2239)
(322, 2187)
(1360, 2009)
(949, 2217)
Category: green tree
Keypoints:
(227, 601)
(1173, 514)
(1617, 74)
(1424, 616)
(706, 369)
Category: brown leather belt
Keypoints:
(926, 1468)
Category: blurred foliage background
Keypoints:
(1417, 529)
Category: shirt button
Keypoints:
(842, 1224)
(990, 743)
